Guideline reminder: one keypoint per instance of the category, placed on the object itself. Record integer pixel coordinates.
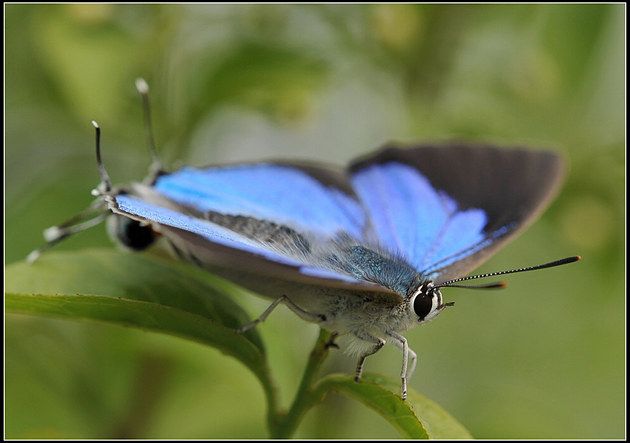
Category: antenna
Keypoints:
(106, 183)
(143, 89)
(86, 219)
(497, 285)
(552, 264)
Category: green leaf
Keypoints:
(417, 417)
(140, 291)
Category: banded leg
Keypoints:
(412, 355)
(304, 315)
(378, 344)
(406, 372)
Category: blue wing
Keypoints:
(414, 220)
(445, 209)
(266, 268)
(279, 220)
(305, 199)
(439, 211)
(131, 205)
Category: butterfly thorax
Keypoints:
(373, 316)
(371, 265)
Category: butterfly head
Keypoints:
(129, 233)
(427, 302)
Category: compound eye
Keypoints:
(130, 233)
(422, 305)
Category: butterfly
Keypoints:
(362, 251)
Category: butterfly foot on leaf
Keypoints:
(403, 394)
(263, 316)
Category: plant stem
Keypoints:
(285, 424)
(269, 387)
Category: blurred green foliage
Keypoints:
(328, 82)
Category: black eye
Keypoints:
(130, 232)
(422, 305)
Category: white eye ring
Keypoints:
(436, 302)
(424, 291)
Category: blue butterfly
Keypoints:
(362, 251)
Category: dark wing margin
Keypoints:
(512, 186)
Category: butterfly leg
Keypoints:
(304, 315)
(406, 371)
(378, 344)
(412, 355)
(308, 316)
(87, 218)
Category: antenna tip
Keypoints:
(34, 255)
(95, 124)
(142, 86)
(571, 259)
(51, 234)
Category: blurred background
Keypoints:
(544, 358)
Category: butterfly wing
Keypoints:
(447, 208)
(256, 223)
(307, 198)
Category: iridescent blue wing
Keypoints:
(446, 209)
(257, 224)
(304, 197)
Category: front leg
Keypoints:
(401, 342)
(378, 344)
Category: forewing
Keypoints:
(304, 197)
(447, 208)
